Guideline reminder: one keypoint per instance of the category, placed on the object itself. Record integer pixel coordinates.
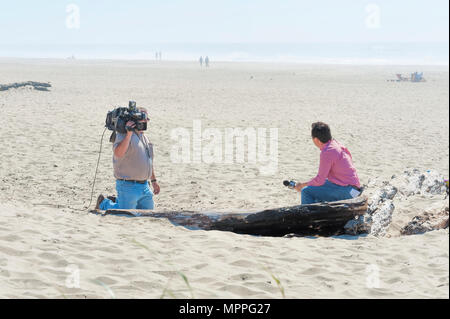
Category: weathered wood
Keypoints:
(325, 219)
(427, 221)
(36, 85)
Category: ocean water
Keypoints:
(315, 53)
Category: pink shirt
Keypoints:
(335, 165)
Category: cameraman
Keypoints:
(133, 167)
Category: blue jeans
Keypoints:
(130, 195)
(328, 192)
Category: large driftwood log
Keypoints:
(325, 219)
(36, 85)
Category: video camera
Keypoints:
(117, 119)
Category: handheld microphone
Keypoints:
(289, 184)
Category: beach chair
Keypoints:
(417, 77)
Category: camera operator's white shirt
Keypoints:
(136, 164)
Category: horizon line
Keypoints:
(70, 59)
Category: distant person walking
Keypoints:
(207, 61)
(200, 61)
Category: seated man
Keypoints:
(133, 167)
(337, 178)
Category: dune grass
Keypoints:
(277, 281)
(170, 292)
(166, 290)
(107, 288)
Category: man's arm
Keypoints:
(326, 160)
(155, 184)
(122, 148)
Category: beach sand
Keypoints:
(50, 143)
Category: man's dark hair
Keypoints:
(321, 131)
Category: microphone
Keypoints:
(289, 184)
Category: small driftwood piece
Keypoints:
(427, 221)
(325, 219)
(36, 85)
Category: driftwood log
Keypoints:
(36, 85)
(324, 219)
(427, 221)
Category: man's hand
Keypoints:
(130, 127)
(300, 186)
(156, 188)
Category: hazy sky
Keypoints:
(224, 21)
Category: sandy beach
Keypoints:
(51, 247)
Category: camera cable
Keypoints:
(93, 185)
(96, 168)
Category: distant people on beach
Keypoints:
(158, 56)
(416, 77)
(200, 61)
(206, 61)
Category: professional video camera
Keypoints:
(117, 119)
